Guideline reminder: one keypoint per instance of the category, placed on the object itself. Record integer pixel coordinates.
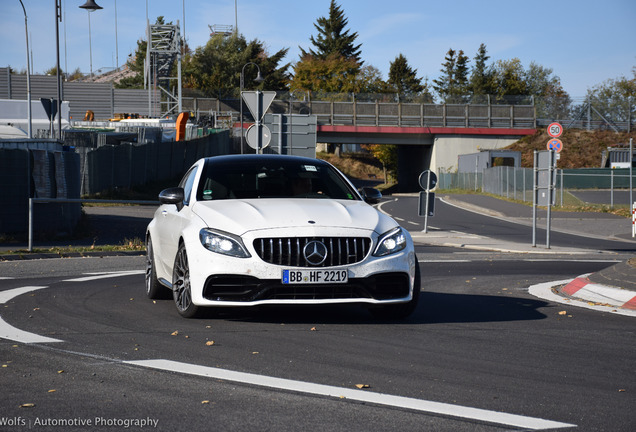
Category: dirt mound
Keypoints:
(581, 149)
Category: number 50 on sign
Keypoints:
(555, 130)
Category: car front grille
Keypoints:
(288, 251)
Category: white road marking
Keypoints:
(9, 332)
(456, 411)
(422, 260)
(571, 260)
(5, 296)
(96, 276)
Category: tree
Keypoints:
(216, 67)
(333, 38)
(614, 98)
(387, 155)
(454, 79)
(404, 79)
(53, 71)
(480, 77)
(551, 100)
(135, 63)
(333, 74)
(509, 78)
(461, 75)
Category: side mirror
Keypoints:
(173, 195)
(370, 195)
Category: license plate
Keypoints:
(319, 276)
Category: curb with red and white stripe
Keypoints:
(581, 287)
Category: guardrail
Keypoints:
(378, 113)
(33, 201)
(403, 114)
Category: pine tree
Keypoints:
(461, 76)
(332, 37)
(446, 82)
(403, 78)
(453, 83)
(480, 76)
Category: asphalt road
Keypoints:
(450, 218)
(479, 354)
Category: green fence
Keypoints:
(518, 183)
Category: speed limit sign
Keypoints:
(555, 130)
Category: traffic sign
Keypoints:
(428, 180)
(50, 107)
(555, 144)
(555, 130)
(252, 136)
(426, 205)
(258, 102)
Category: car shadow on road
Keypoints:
(433, 308)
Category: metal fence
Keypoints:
(518, 183)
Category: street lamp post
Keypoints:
(58, 75)
(29, 112)
(116, 43)
(90, 6)
(259, 79)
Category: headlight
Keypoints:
(223, 243)
(391, 242)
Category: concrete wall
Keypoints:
(447, 148)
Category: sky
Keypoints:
(584, 42)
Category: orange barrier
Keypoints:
(181, 125)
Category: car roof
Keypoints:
(262, 157)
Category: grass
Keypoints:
(127, 245)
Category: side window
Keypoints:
(187, 183)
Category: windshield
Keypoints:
(271, 178)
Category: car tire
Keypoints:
(401, 310)
(181, 289)
(154, 290)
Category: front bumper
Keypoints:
(219, 280)
(248, 289)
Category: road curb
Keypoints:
(581, 287)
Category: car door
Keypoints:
(173, 219)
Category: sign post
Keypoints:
(428, 181)
(544, 189)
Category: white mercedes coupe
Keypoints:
(248, 230)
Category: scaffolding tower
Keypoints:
(163, 48)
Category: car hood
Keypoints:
(241, 216)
